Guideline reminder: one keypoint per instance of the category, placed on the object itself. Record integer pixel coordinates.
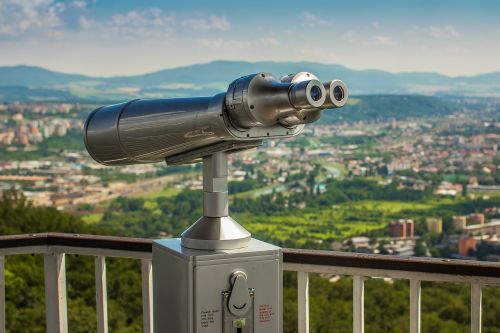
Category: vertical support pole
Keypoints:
(101, 294)
(415, 309)
(2, 294)
(147, 295)
(215, 230)
(358, 304)
(56, 310)
(215, 186)
(303, 301)
(475, 315)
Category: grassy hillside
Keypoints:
(385, 107)
(213, 77)
(31, 76)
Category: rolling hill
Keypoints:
(35, 83)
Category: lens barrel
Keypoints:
(254, 107)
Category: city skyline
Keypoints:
(105, 38)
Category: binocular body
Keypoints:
(182, 130)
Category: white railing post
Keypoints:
(56, 311)
(101, 294)
(147, 295)
(303, 301)
(358, 304)
(415, 311)
(2, 294)
(475, 316)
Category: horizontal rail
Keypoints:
(77, 240)
(55, 246)
(355, 263)
(140, 248)
(108, 246)
(290, 256)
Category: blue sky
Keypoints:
(125, 37)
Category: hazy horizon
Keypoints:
(107, 38)
(235, 60)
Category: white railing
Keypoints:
(54, 248)
(363, 266)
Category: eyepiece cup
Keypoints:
(337, 94)
(307, 94)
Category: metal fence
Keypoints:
(416, 270)
(54, 247)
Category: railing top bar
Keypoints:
(388, 262)
(296, 256)
(77, 240)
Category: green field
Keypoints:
(323, 226)
(393, 207)
(168, 191)
(92, 218)
(150, 203)
(335, 223)
(274, 213)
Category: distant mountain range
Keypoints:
(21, 83)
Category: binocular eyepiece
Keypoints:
(181, 130)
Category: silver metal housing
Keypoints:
(254, 107)
(148, 131)
(190, 287)
(303, 115)
(262, 100)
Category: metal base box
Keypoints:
(223, 291)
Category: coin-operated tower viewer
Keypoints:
(215, 278)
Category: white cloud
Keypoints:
(18, 17)
(154, 22)
(80, 4)
(437, 31)
(350, 37)
(382, 40)
(315, 53)
(269, 41)
(221, 43)
(205, 24)
(152, 17)
(85, 23)
(21, 17)
(376, 26)
(308, 19)
(146, 23)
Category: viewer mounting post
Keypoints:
(215, 278)
(215, 230)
